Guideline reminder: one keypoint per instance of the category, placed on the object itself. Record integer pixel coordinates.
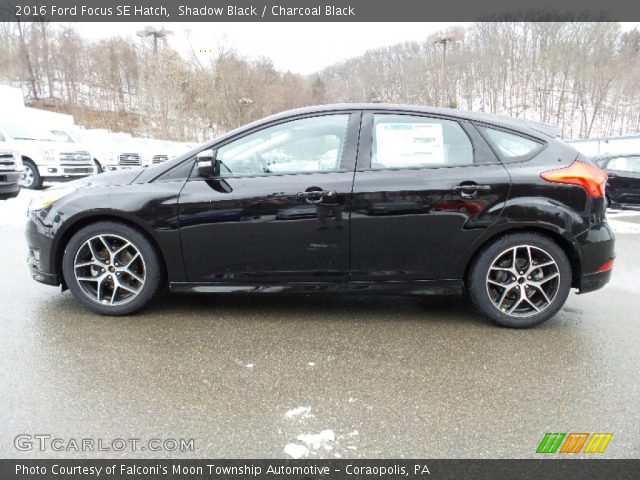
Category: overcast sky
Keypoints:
(298, 47)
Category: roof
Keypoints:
(530, 127)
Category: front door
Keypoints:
(425, 189)
(279, 211)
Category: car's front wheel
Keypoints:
(520, 280)
(112, 268)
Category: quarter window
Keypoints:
(408, 141)
(510, 145)
(305, 145)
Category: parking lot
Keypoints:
(325, 376)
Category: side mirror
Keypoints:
(208, 164)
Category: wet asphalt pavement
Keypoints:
(380, 376)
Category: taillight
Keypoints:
(588, 176)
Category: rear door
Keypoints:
(279, 210)
(425, 188)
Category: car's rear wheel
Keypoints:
(31, 178)
(112, 268)
(520, 280)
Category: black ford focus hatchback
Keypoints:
(353, 198)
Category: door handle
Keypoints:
(316, 196)
(471, 187)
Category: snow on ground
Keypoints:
(325, 440)
(296, 451)
(13, 212)
(623, 221)
(302, 412)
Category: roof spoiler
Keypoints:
(545, 128)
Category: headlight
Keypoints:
(48, 197)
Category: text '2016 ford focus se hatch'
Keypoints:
(345, 198)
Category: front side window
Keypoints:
(306, 145)
(624, 164)
(409, 141)
(510, 145)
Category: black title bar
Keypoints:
(548, 469)
(315, 10)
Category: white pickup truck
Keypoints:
(10, 169)
(110, 151)
(44, 157)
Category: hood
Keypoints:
(120, 177)
(49, 145)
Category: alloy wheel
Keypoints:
(29, 177)
(109, 269)
(523, 281)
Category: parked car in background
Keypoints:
(152, 151)
(469, 201)
(623, 185)
(69, 136)
(10, 169)
(45, 157)
(111, 151)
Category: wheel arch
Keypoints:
(84, 221)
(570, 251)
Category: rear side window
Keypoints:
(624, 164)
(410, 141)
(510, 145)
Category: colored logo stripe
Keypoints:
(574, 442)
(598, 442)
(550, 443)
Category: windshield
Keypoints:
(62, 135)
(28, 132)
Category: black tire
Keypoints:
(485, 292)
(150, 261)
(32, 178)
(98, 166)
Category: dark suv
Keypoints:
(340, 198)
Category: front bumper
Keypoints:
(64, 171)
(596, 249)
(9, 184)
(40, 260)
(42, 277)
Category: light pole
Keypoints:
(444, 37)
(151, 31)
(157, 90)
